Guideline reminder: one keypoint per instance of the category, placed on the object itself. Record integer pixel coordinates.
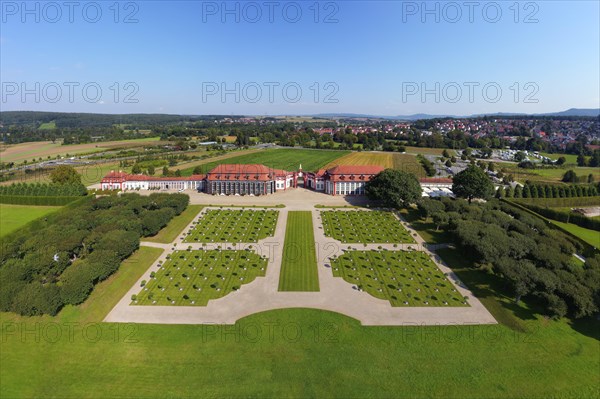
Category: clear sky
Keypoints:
(304, 57)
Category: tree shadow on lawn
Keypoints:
(588, 326)
(426, 228)
(492, 291)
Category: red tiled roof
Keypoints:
(254, 172)
(240, 169)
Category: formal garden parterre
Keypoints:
(194, 277)
(233, 226)
(364, 227)
(405, 278)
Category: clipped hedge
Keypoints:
(566, 217)
(559, 202)
(24, 200)
(44, 190)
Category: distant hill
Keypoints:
(587, 112)
(576, 112)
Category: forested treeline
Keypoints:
(57, 260)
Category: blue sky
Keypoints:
(376, 57)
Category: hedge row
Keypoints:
(560, 202)
(44, 190)
(548, 191)
(23, 200)
(565, 217)
(588, 250)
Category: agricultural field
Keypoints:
(43, 149)
(403, 278)
(13, 217)
(233, 226)
(287, 159)
(394, 160)
(364, 227)
(299, 264)
(191, 278)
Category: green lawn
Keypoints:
(426, 228)
(12, 217)
(570, 158)
(294, 353)
(405, 278)
(592, 237)
(170, 232)
(364, 227)
(194, 277)
(287, 159)
(299, 265)
(221, 225)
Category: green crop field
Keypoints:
(299, 265)
(13, 217)
(194, 277)
(403, 278)
(74, 355)
(233, 226)
(364, 227)
(287, 159)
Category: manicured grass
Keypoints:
(194, 277)
(405, 278)
(592, 237)
(299, 264)
(12, 217)
(426, 228)
(364, 227)
(287, 159)
(170, 232)
(570, 158)
(489, 289)
(262, 355)
(222, 225)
